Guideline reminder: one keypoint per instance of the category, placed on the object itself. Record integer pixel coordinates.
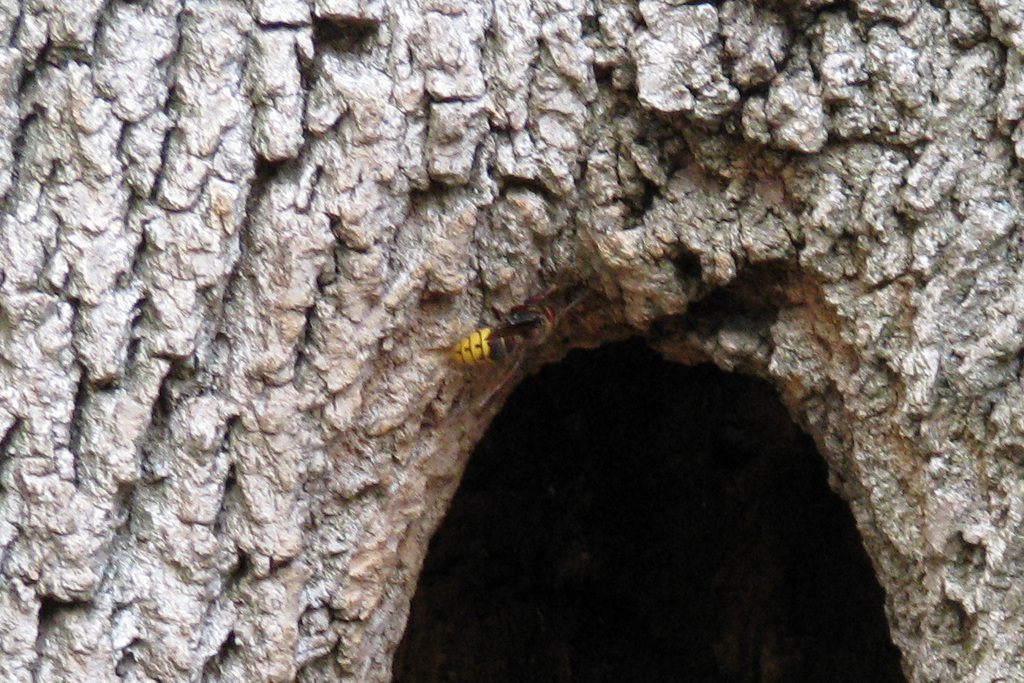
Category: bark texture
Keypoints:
(235, 234)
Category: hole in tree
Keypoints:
(630, 519)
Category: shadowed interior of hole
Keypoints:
(629, 519)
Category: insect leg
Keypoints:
(535, 298)
(573, 303)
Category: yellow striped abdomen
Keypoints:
(473, 348)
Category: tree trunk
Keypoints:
(237, 239)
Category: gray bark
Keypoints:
(234, 236)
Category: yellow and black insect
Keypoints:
(525, 325)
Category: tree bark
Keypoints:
(235, 236)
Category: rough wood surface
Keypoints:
(235, 234)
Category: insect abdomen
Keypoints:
(473, 348)
(481, 346)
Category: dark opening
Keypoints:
(630, 519)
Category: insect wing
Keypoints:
(509, 374)
(504, 341)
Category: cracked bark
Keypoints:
(235, 235)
